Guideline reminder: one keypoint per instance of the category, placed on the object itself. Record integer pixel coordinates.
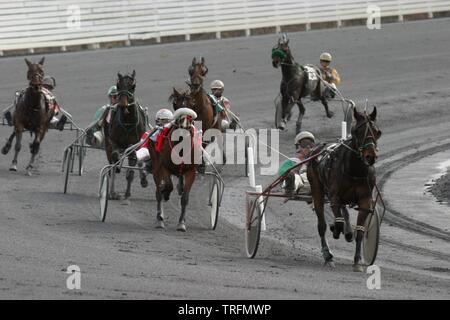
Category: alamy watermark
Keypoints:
(374, 280)
(231, 147)
(74, 280)
(73, 21)
(373, 17)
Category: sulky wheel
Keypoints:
(67, 163)
(371, 237)
(214, 202)
(103, 195)
(252, 226)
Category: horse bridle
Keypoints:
(362, 145)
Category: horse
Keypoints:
(163, 156)
(31, 113)
(181, 99)
(295, 84)
(125, 127)
(201, 103)
(346, 175)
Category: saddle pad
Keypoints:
(312, 78)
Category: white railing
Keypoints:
(31, 24)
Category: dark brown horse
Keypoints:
(124, 128)
(181, 99)
(167, 160)
(201, 103)
(346, 175)
(295, 84)
(31, 114)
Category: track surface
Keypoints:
(400, 68)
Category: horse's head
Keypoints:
(125, 89)
(365, 135)
(197, 70)
(35, 72)
(181, 99)
(281, 51)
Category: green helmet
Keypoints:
(112, 91)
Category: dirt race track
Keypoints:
(401, 68)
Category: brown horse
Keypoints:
(125, 128)
(31, 113)
(166, 161)
(181, 99)
(295, 84)
(201, 103)
(346, 175)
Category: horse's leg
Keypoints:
(159, 209)
(142, 175)
(34, 149)
(348, 232)
(318, 198)
(325, 105)
(189, 178)
(338, 218)
(8, 144)
(132, 161)
(284, 111)
(364, 209)
(113, 157)
(17, 148)
(180, 185)
(301, 113)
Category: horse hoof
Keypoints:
(125, 202)
(329, 264)
(336, 234)
(332, 227)
(114, 196)
(13, 168)
(358, 268)
(349, 237)
(144, 183)
(160, 224)
(330, 114)
(327, 255)
(5, 150)
(181, 227)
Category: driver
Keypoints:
(297, 180)
(329, 74)
(95, 134)
(163, 119)
(222, 104)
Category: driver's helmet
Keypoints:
(112, 91)
(301, 136)
(163, 117)
(325, 56)
(217, 84)
(49, 82)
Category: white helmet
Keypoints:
(217, 84)
(163, 116)
(303, 135)
(325, 57)
(49, 82)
